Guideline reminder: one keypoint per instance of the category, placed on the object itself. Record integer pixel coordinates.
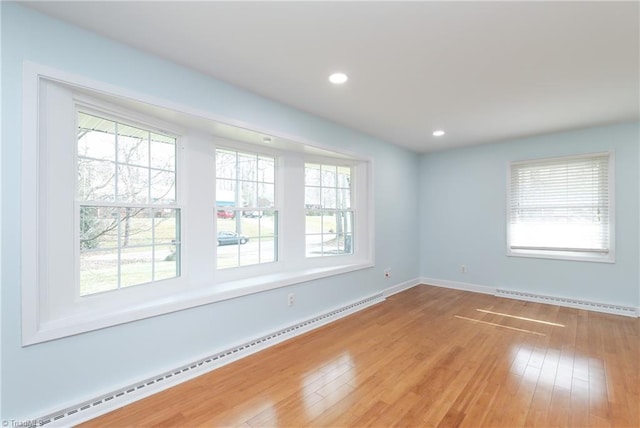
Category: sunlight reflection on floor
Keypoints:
(499, 325)
(553, 370)
(331, 381)
(520, 318)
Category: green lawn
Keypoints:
(99, 267)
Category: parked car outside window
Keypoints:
(252, 214)
(226, 214)
(231, 238)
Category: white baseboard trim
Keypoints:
(570, 303)
(533, 297)
(398, 288)
(465, 286)
(92, 408)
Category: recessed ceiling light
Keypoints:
(266, 140)
(438, 133)
(338, 78)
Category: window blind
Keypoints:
(560, 204)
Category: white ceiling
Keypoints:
(482, 71)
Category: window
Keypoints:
(561, 208)
(128, 219)
(329, 218)
(134, 208)
(247, 220)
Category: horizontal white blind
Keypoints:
(560, 204)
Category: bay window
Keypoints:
(133, 209)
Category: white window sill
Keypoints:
(564, 255)
(193, 297)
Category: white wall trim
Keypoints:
(456, 285)
(403, 286)
(533, 297)
(76, 413)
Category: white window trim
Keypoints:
(354, 203)
(194, 292)
(581, 256)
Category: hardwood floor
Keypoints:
(425, 357)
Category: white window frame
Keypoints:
(132, 119)
(351, 209)
(585, 256)
(242, 149)
(44, 318)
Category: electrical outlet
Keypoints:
(387, 273)
(463, 268)
(291, 299)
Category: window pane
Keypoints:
(560, 204)
(96, 137)
(266, 195)
(227, 256)
(166, 226)
(96, 180)
(267, 250)
(133, 146)
(226, 220)
(329, 198)
(312, 174)
(249, 224)
(239, 238)
(163, 187)
(329, 234)
(98, 271)
(266, 169)
(329, 224)
(136, 266)
(225, 164)
(313, 245)
(247, 167)
(163, 152)
(344, 225)
(244, 185)
(133, 184)
(166, 262)
(248, 194)
(312, 198)
(268, 223)
(225, 193)
(328, 176)
(98, 228)
(140, 237)
(136, 227)
(313, 223)
(330, 245)
(343, 199)
(328, 188)
(250, 252)
(344, 177)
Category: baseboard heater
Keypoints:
(571, 303)
(108, 402)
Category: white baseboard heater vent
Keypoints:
(571, 303)
(105, 403)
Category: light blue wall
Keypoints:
(459, 211)
(1, 236)
(48, 375)
(463, 218)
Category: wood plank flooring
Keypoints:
(426, 357)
